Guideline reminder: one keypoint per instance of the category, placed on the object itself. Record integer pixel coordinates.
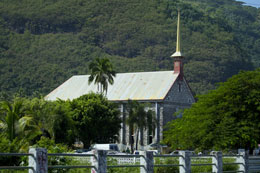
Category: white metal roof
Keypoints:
(134, 86)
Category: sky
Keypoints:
(254, 3)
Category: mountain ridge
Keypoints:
(44, 43)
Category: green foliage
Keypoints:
(195, 169)
(225, 118)
(52, 147)
(7, 146)
(112, 162)
(53, 118)
(43, 43)
(167, 161)
(230, 167)
(14, 123)
(140, 119)
(96, 119)
(27, 120)
(199, 169)
(102, 73)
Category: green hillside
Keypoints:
(44, 42)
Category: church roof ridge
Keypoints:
(164, 71)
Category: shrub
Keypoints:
(9, 147)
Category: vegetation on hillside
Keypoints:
(225, 118)
(43, 43)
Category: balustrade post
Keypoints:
(39, 160)
(146, 160)
(185, 161)
(243, 160)
(217, 161)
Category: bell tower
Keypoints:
(178, 57)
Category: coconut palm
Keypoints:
(102, 73)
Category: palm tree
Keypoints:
(101, 73)
(151, 123)
(139, 119)
(14, 123)
(10, 114)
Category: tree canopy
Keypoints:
(225, 118)
(96, 119)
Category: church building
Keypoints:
(166, 91)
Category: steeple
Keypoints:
(178, 42)
(178, 64)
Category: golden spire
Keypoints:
(178, 42)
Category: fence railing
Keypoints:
(16, 167)
(38, 161)
(254, 164)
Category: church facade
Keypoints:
(166, 91)
(178, 97)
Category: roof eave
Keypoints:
(146, 100)
(171, 86)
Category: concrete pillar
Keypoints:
(217, 161)
(39, 160)
(157, 130)
(161, 123)
(100, 161)
(185, 161)
(243, 159)
(146, 161)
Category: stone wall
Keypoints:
(178, 98)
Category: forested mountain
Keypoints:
(44, 42)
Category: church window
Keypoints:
(180, 87)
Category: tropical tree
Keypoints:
(53, 118)
(96, 119)
(139, 119)
(102, 73)
(14, 122)
(10, 115)
(225, 118)
(151, 122)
